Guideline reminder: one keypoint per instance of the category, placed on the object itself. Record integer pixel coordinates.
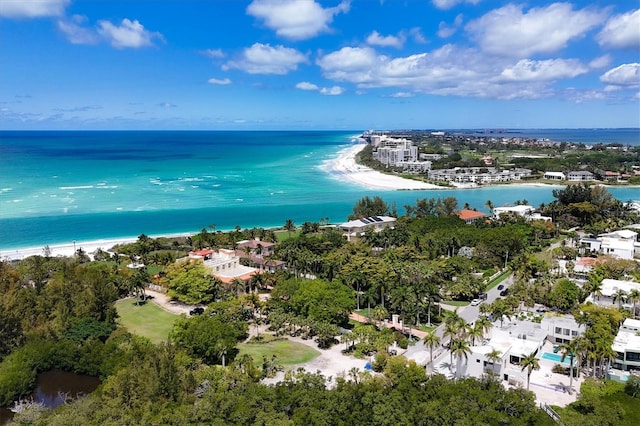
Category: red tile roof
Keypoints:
(469, 214)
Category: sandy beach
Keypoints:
(64, 250)
(345, 169)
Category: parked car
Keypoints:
(482, 296)
(196, 311)
(504, 292)
(501, 286)
(475, 302)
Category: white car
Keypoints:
(475, 302)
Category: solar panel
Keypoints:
(377, 219)
(366, 221)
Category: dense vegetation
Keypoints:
(59, 313)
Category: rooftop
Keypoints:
(467, 214)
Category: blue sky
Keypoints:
(310, 64)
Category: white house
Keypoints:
(355, 229)
(627, 346)
(554, 176)
(561, 329)
(520, 210)
(608, 291)
(622, 244)
(580, 176)
(225, 265)
(514, 341)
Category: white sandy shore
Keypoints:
(345, 169)
(67, 250)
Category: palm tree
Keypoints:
(474, 332)
(619, 296)
(400, 298)
(494, 356)
(530, 363)
(634, 296)
(236, 285)
(484, 323)
(460, 348)
(289, 226)
(431, 340)
(490, 206)
(569, 349)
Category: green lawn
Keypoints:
(286, 352)
(455, 302)
(148, 320)
(497, 280)
(284, 235)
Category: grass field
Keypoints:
(286, 352)
(455, 302)
(148, 320)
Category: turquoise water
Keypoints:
(56, 187)
(555, 358)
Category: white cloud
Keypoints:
(550, 69)
(623, 75)
(403, 95)
(213, 53)
(166, 105)
(295, 19)
(375, 39)
(332, 91)
(510, 32)
(417, 35)
(600, 62)
(622, 31)
(221, 82)
(445, 30)
(127, 34)
(449, 70)
(75, 32)
(448, 4)
(32, 8)
(305, 85)
(265, 59)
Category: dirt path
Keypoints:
(169, 305)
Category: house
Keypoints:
(356, 228)
(521, 210)
(225, 265)
(609, 292)
(627, 346)
(561, 329)
(514, 341)
(580, 176)
(256, 247)
(470, 216)
(622, 244)
(554, 176)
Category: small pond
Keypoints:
(51, 385)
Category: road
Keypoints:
(468, 313)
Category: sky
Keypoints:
(311, 64)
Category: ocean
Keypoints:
(62, 186)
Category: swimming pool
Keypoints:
(556, 358)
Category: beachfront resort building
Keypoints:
(398, 153)
(622, 244)
(627, 346)
(478, 175)
(355, 229)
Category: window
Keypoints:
(565, 331)
(574, 333)
(558, 330)
(633, 356)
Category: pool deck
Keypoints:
(549, 387)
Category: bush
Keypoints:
(632, 387)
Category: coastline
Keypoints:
(345, 169)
